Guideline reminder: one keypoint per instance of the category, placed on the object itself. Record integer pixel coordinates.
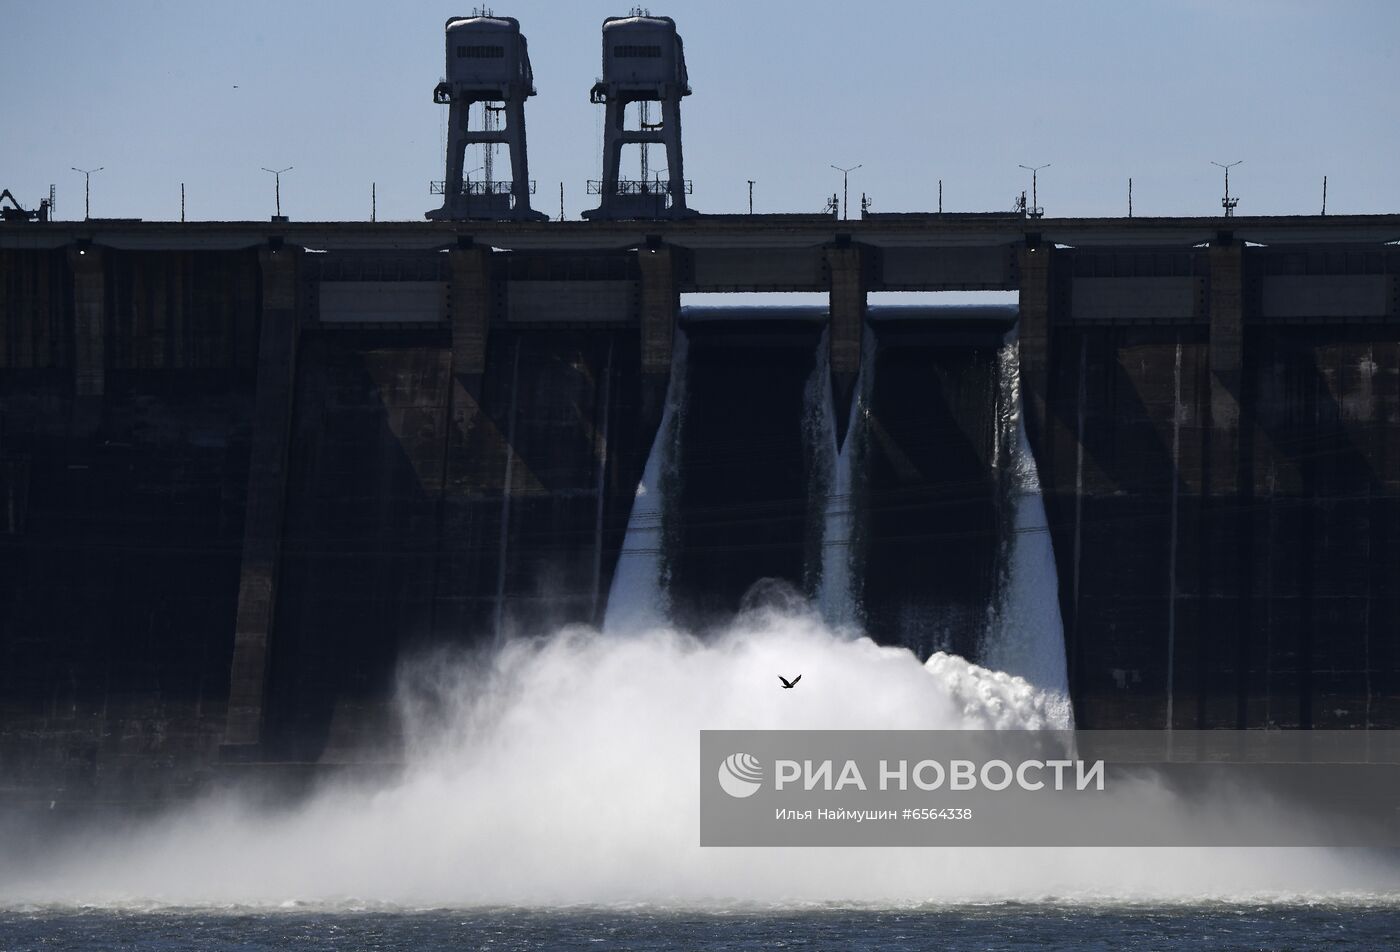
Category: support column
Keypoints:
(477, 450)
(660, 305)
(846, 266)
(267, 477)
(1226, 538)
(470, 312)
(89, 341)
(1034, 338)
(1226, 362)
(7, 360)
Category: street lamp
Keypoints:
(1035, 209)
(277, 186)
(464, 192)
(87, 188)
(845, 188)
(1228, 203)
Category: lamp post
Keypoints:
(1035, 210)
(464, 188)
(87, 188)
(1227, 203)
(845, 188)
(277, 185)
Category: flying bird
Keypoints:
(789, 684)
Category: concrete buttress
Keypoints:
(1034, 337)
(660, 306)
(847, 303)
(89, 352)
(267, 477)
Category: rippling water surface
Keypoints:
(1271, 926)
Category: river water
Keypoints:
(1000, 926)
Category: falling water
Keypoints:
(837, 471)
(1025, 634)
(640, 595)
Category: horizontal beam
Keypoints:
(712, 231)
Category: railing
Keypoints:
(637, 187)
(482, 187)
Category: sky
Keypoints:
(160, 93)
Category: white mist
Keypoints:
(564, 770)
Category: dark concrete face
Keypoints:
(743, 512)
(568, 405)
(423, 515)
(117, 623)
(120, 544)
(1319, 458)
(1282, 612)
(363, 492)
(930, 512)
(1110, 432)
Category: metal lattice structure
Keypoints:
(480, 187)
(636, 187)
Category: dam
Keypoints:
(245, 467)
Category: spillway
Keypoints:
(838, 590)
(1025, 633)
(784, 503)
(640, 597)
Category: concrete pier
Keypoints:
(845, 326)
(89, 336)
(659, 308)
(1033, 260)
(267, 478)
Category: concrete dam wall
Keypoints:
(240, 480)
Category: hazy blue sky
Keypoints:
(914, 91)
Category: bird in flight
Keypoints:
(789, 684)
